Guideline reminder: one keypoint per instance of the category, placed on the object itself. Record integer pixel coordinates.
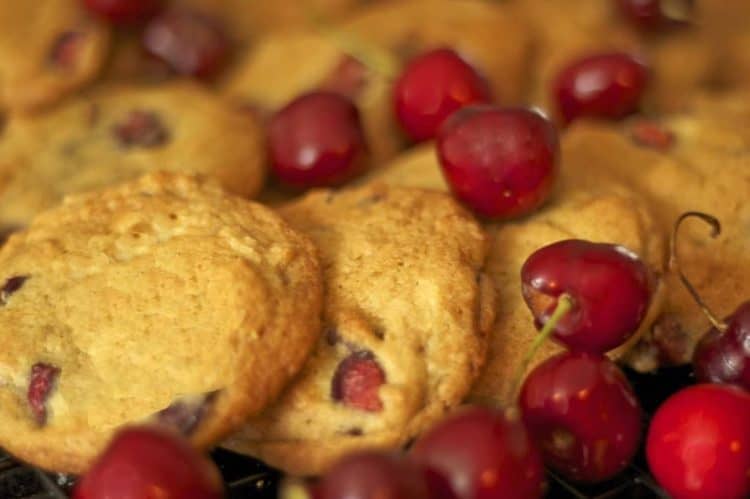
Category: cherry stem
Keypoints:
(674, 263)
(565, 303)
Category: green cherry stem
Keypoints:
(564, 304)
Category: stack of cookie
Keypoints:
(140, 283)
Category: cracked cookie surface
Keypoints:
(407, 310)
(164, 299)
(114, 134)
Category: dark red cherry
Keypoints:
(724, 356)
(191, 42)
(373, 475)
(431, 87)
(607, 284)
(654, 15)
(698, 444)
(484, 454)
(123, 11)
(149, 462)
(582, 412)
(605, 86)
(501, 162)
(316, 140)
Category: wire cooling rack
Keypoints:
(249, 479)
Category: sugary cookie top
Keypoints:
(164, 294)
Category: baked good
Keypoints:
(48, 49)
(385, 35)
(604, 212)
(698, 162)
(162, 299)
(682, 60)
(117, 133)
(407, 310)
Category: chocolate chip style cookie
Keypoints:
(48, 49)
(161, 300)
(681, 60)
(382, 37)
(693, 161)
(607, 212)
(407, 310)
(118, 133)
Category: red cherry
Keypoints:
(192, 43)
(698, 445)
(582, 411)
(724, 356)
(607, 86)
(500, 162)
(607, 284)
(148, 462)
(485, 454)
(123, 12)
(653, 15)
(373, 475)
(431, 87)
(316, 140)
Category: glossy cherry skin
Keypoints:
(584, 415)
(148, 462)
(190, 42)
(123, 12)
(605, 86)
(608, 284)
(316, 140)
(698, 444)
(501, 162)
(724, 357)
(431, 87)
(373, 475)
(653, 15)
(484, 454)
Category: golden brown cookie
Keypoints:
(118, 133)
(701, 162)
(48, 49)
(163, 299)
(407, 310)
(384, 36)
(605, 212)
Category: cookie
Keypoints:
(48, 50)
(114, 134)
(682, 61)
(162, 300)
(407, 310)
(696, 161)
(378, 40)
(606, 212)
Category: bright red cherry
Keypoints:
(431, 87)
(606, 86)
(316, 140)
(584, 415)
(373, 475)
(149, 462)
(698, 445)
(191, 42)
(501, 162)
(608, 287)
(654, 15)
(123, 12)
(485, 454)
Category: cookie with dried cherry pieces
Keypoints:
(163, 300)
